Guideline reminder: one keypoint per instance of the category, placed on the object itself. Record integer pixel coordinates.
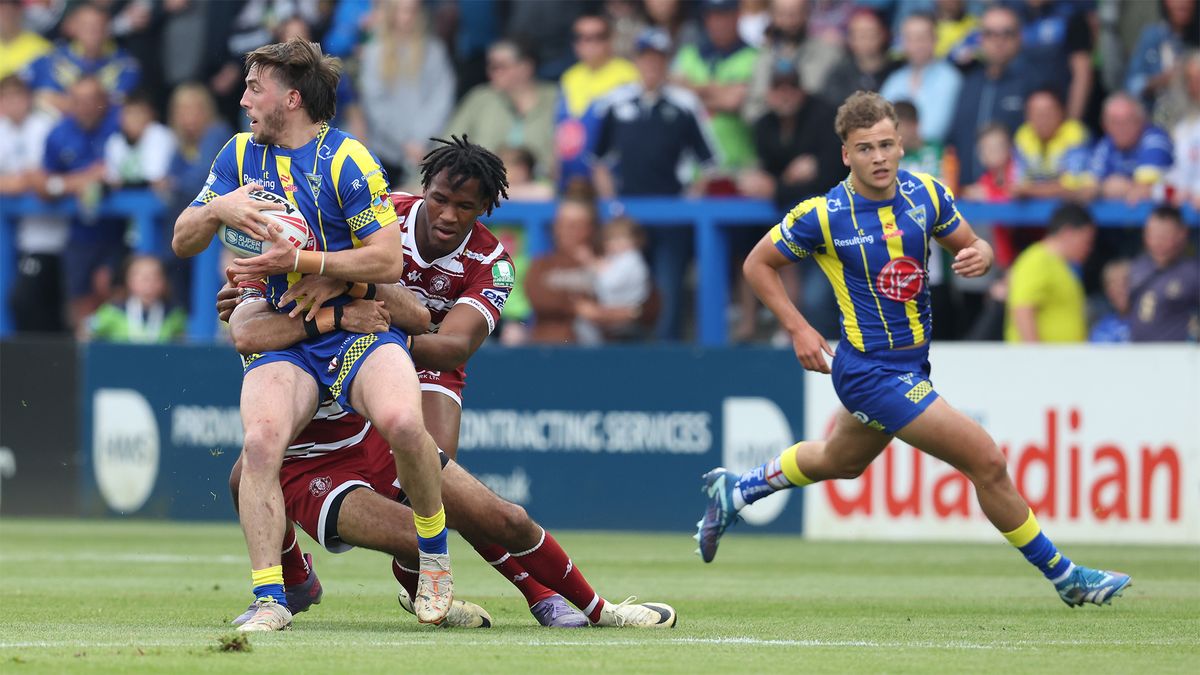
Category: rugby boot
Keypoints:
(268, 616)
(554, 612)
(299, 598)
(629, 614)
(719, 514)
(435, 588)
(462, 614)
(1083, 585)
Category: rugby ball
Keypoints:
(295, 228)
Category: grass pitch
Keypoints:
(106, 596)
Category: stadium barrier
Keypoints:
(1103, 441)
(579, 443)
(710, 220)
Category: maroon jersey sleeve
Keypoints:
(488, 284)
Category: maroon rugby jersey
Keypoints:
(479, 273)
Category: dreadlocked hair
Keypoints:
(463, 160)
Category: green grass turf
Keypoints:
(106, 596)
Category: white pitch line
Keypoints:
(500, 642)
(146, 558)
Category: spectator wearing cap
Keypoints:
(597, 73)
(1051, 150)
(513, 109)
(18, 47)
(929, 82)
(1164, 282)
(787, 38)
(1046, 302)
(867, 65)
(1131, 158)
(651, 136)
(993, 90)
(90, 51)
(718, 70)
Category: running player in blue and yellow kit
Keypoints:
(339, 187)
(871, 236)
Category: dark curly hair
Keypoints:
(464, 160)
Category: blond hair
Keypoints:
(863, 110)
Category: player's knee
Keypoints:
(513, 520)
(848, 469)
(261, 451)
(990, 469)
(402, 427)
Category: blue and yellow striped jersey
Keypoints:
(875, 254)
(334, 180)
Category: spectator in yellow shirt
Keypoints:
(1046, 302)
(18, 47)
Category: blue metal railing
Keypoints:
(710, 220)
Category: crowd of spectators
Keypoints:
(1072, 100)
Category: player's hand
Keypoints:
(366, 316)
(227, 297)
(241, 212)
(970, 262)
(310, 293)
(279, 259)
(810, 349)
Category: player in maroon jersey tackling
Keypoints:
(457, 277)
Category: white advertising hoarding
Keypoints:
(1103, 441)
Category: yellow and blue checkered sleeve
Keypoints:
(798, 235)
(362, 189)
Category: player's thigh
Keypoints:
(370, 520)
(947, 433)
(443, 416)
(852, 446)
(385, 389)
(278, 400)
(481, 516)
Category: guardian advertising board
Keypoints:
(1103, 442)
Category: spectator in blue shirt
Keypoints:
(994, 90)
(932, 84)
(1113, 322)
(90, 52)
(648, 132)
(74, 167)
(1132, 156)
(1160, 49)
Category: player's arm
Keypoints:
(196, 225)
(470, 321)
(972, 255)
(761, 270)
(461, 333)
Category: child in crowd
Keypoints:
(520, 164)
(622, 287)
(140, 155)
(146, 315)
(996, 185)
